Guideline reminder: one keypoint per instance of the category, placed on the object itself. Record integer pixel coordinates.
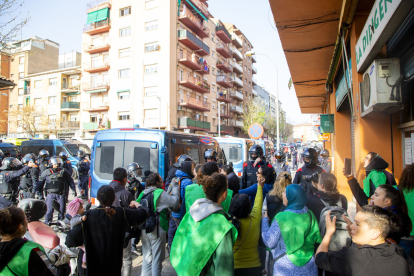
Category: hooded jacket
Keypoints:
(185, 181)
(376, 171)
(382, 259)
(316, 205)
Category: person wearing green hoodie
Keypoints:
(292, 235)
(203, 243)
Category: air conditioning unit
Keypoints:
(179, 107)
(381, 87)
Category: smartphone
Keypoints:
(347, 163)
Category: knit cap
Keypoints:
(73, 206)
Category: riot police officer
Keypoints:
(134, 172)
(43, 160)
(84, 165)
(66, 164)
(304, 175)
(251, 168)
(318, 153)
(294, 159)
(326, 163)
(280, 163)
(175, 167)
(11, 170)
(28, 181)
(210, 155)
(56, 180)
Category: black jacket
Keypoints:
(380, 260)
(316, 205)
(234, 183)
(125, 196)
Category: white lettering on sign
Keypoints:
(378, 19)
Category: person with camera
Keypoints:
(304, 175)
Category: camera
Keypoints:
(313, 177)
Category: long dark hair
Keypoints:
(10, 220)
(106, 196)
(407, 178)
(240, 207)
(397, 198)
(329, 182)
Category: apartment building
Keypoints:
(272, 106)
(4, 93)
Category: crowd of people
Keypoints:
(209, 223)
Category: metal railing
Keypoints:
(225, 128)
(236, 108)
(206, 48)
(254, 69)
(223, 95)
(96, 84)
(237, 123)
(222, 28)
(99, 43)
(225, 63)
(96, 64)
(237, 38)
(194, 101)
(237, 80)
(201, 6)
(96, 25)
(236, 65)
(234, 50)
(98, 104)
(187, 122)
(190, 36)
(197, 21)
(237, 94)
(254, 80)
(226, 48)
(196, 81)
(74, 105)
(70, 124)
(254, 92)
(223, 78)
(97, 4)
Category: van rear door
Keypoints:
(108, 156)
(142, 153)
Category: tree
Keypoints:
(254, 113)
(286, 130)
(32, 120)
(271, 127)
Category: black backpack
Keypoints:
(153, 216)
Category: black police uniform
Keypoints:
(9, 182)
(28, 183)
(83, 169)
(300, 177)
(249, 176)
(326, 164)
(295, 160)
(134, 186)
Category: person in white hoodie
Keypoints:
(153, 234)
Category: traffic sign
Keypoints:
(256, 131)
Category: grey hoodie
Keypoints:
(202, 208)
(165, 200)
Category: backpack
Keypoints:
(341, 237)
(153, 216)
(169, 191)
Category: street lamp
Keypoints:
(251, 53)
(219, 123)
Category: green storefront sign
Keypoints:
(327, 123)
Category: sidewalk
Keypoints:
(167, 269)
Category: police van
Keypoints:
(236, 151)
(154, 150)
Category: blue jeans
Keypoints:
(407, 245)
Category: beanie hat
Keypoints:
(73, 206)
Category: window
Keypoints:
(123, 116)
(150, 26)
(151, 69)
(38, 84)
(52, 81)
(151, 47)
(213, 71)
(51, 100)
(180, 75)
(94, 119)
(249, 71)
(151, 91)
(124, 73)
(37, 102)
(151, 4)
(11, 75)
(212, 38)
(213, 88)
(21, 60)
(125, 32)
(245, 68)
(124, 52)
(123, 95)
(21, 91)
(21, 75)
(249, 83)
(125, 11)
(245, 81)
(213, 104)
(213, 55)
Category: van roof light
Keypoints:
(127, 129)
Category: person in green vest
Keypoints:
(153, 243)
(203, 243)
(19, 256)
(195, 191)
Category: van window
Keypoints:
(73, 148)
(108, 157)
(191, 150)
(36, 148)
(194, 154)
(233, 152)
(59, 149)
(107, 163)
(142, 153)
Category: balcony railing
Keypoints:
(223, 49)
(71, 87)
(97, 46)
(74, 105)
(237, 109)
(237, 81)
(224, 113)
(236, 40)
(194, 23)
(70, 124)
(226, 129)
(96, 66)
(254, 80)
(97, 27)
(195, 84)
(224, 65)
(91, 126)
(223, 34)
(98, 4)
(254, 92)
(186, 122)
(224, 81)
(224, 97)
(96, 106)
(254, 69)
(189, 59)
(96, 84)
(237, 67)
(237, 94)
(203, 8)
(237, 123)
(193, 42)
(26, 91)
(194, 103)
(236, 53)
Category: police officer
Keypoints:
(43, 160)
(83, 169)
(175, 167)
(294, 159)
(318, 153)
(210, 155)
(67, 165)
(303, 175)
(280, 163)
(28, 181)
(11, 170)
(134, 172)
(326, 163)
(56, 180)
(250, 168)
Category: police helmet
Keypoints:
(279, 154)
(55, 160)
(43, 153)
(26, 160)
(63, 155)
(81, 154)
(325, 153)
(311, 154)
(10, 163)
(134, 169)
(318, 150)
(31, 155)
(210, 154)
(255, 152)
(181, 159)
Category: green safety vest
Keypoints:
(377, 179)
(195, 191)
(163, 214)
(195, 242)
(19, 265)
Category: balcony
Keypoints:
(254, 80)
(190, 40)
(254, 92)
(202, 7)
(97, 27)
(97, 106)
(224, 65)
(194, 103)
(26, 90)
(237, 109)
(225, 114)
(194, 23)
(254, 70)
(254, 59)
(70, 88)
(94, 126)
(97, 5)
(188, 59)
(237, 123)
(237, 81)
(236, 54)
(223, 50)
(70, 106)
(96, 86)
(70, 124)
(195, 84)
(237, 95)
(96, 66)
(97, 46)
(236, 40)
(237, 68)
(223, 34)
(187, 123)
(224, 81)
(226, 129)
(224, 97)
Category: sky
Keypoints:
(63, 21)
